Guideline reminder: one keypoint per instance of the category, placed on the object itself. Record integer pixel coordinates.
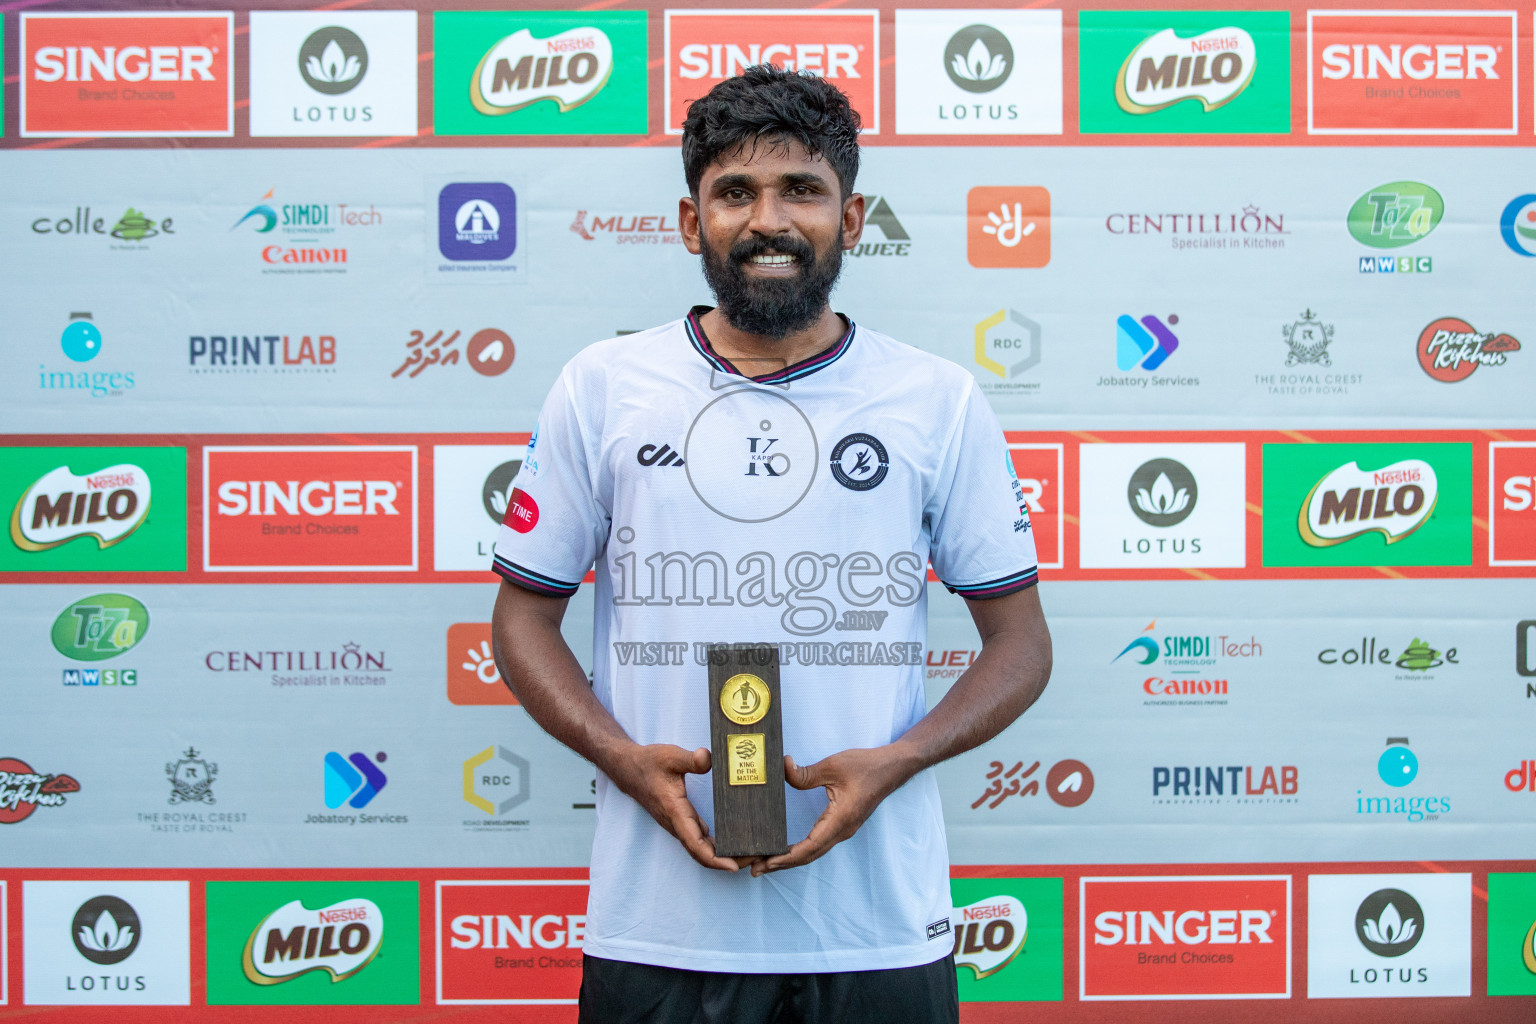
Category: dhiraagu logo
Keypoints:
(1396, 214)
(1008, 939)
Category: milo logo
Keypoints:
(569, 68)
(1349, 501)
(61, 505)
(989, 934)
(1213, 67)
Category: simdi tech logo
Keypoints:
(978, 72)
(1389, 936)
(312, 943)
(319, 508)
(106, 943)
(1397, 72)
(130, 75)
(1367, 504)
(706, 47)
(1008, 939)
(1182, 72)
(90, 509)
(333, 73)
(510, 941)
(539, 73)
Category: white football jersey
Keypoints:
(801, 508)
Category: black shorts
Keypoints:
(617, 992)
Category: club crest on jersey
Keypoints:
(859, 462)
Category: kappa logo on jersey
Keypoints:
(168, 73)
(664, 455)
(706, 47)
(510, 942)
(309, 508)
(859, 462)
(1411, 73)
(1512, 504)
(1185, 937)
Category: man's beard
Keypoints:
(772, 307)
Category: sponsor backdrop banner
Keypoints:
(1248, 288)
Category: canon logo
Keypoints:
(1419, 61)
(726, 60)
(315, 498)
(127, 64)
(492, 931)
(1190, 928)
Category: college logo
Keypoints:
(167, 73)
(1008, 933)
(477, 221)
(539, 73)
(1173, 505)
(1418, 656)
(993, 72)
(106, 943)
(473, 677)
(1008, 226)
(705, 47)
(858, 461)
(1368, 504)
(191, 778)
(1512, 503)
(510, 942)
(1431, 73)
(1389, 936)
(106, 505)
(1517, 224)
(302, 508)
(133, 228)
(23, 791)
(353, 780)
(1038, 472)
(1393, 215)
(1189, 937)
(1450, 349)
(333, 73)
(1184, 72)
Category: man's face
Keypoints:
(771, 225)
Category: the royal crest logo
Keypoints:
(107, 505)
(1213, 67)
(191, 779)
(293, 940)
(1450, 349)
(1348, 502)
(1308, 339)
(568, 68)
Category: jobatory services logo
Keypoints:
(1144, 344)
(23, 791)
(1185, 937)
(496, 781)
(1389, 936)
(1183, 72)
(488, 352)
(1008, 226)
(539, 72)
(1398, 503)
(473, 677)
(705, 47)
(978, 72)
(1512, 503)
(1511, 934)
(89, 509)
(99, 628)
(130, 232)
(312, 943)
(167, 73)
(1517, 225)
(1008, 939)
(309, 508)
(511, 942)
(471, 493)
(1450, 349)
(106, 943)
(1038, 470)
(1397, 72)
(333, 73)
(1391, 216)
(1162, 505)
(353, 780)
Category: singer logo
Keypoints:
(1194, 937)
(269, 509)
(1411, 73)
(168, 73)
(512, 942)
(1512, 503)
(705, 47)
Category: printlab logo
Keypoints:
(477, 222)
(488, 352)
(496, 781)
(1391, 216)
(23, 791)
(106, 930)
(1450, 349)
(1069, 783)
(333, 60)
(1008, 226)
(354, 780)
(133, 228)
(257, 353)
(1220, 784)
(191, 778)
(1162, 492)
(1517, 225)
(1007, 343)
(959, 76)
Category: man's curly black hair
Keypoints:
(768, 104)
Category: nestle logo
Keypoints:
(345, 914)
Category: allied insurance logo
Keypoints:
(141, 74)
(510, 942)
(309, 508)
(1396, 72)
(1185, 937)
(705, 47)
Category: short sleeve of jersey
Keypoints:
(982, 543)
(554, 525)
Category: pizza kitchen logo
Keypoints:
(1450, 349)
(23, 791)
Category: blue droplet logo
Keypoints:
(81, 340)
(1397, 766)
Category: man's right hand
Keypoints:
(653, 776)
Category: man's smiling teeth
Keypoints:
(773, 260)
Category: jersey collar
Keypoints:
(803, 368)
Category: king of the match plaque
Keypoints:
(746, 736)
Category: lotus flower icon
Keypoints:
(333, 60)
(978, 58)
(979, 64)
(1390, 928)
(1163, 499)
(333, 66)
(106, 936)
(1390, 922)
(105, 930)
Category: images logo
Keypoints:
(333, 73)
(539, 73)
(510, 942)
(1512, 503)
(107, 505)
(1518, 225)
(1397, 72)
(477, 221)
(1396, 214)
(23, 791)
(353, 780)
(1137, 68)
(1147, 344)
(80, 339)
(168, 73)
(705, 47)
(1368, 504)
(1008, 226)
(1398, 767)
(1007, 343)
(1450, 349)
(81, 342)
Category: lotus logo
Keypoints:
(1349, 502)
(340, 939)
(1389, 922)
(568, 69)
(989, 934)
(1213, 67)
(978, 58)
(1162, 493)
(496, 492)
(108, 505)
(105, 930)
(333, 60)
